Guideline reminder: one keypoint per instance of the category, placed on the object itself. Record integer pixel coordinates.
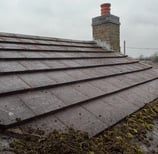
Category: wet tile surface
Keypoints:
(34, 65)
(11, 66)
(61, 99)
(47, 123)
(103, 111)
(12, 83)
(13, 110)
(88, 90)
(60, 77)
(41, 102)
(81, 119)
(37, 80)
(69, 95)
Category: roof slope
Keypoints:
(54, 83)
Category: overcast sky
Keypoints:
(72, 19)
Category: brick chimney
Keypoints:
(106, 29)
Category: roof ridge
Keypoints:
(34, 37)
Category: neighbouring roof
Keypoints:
(54, 83)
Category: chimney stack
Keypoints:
(106, 28)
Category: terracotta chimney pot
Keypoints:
(105, 9)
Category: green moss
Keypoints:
(116, 140)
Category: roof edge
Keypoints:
(34, 37)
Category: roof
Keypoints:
(52, 83)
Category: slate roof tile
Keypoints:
(57, 83)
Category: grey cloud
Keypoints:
(72, 19)
(145, 20)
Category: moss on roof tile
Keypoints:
(119, 139)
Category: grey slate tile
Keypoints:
(11, 83)
(104, 85)
(8, 66)
(110, 109)
(90, 72)
(123, 68)
(31, 54)
(12, 109)
(121, 107)
(77, 74)
(68, 94)
(37, 79)
(60, 76)
(42, 38)
(45, 47)
(71, 63)
(88, 89)
(48, 54)
(47, 123)
(68, 54)
(80, 119)
(102, 111)
(115, 83)
(45, 42)
(152, 87)
(102, 71)
(10, 54)
(135, 96)
(34, 65)
(148, 92)
(41, 102)
(54, 64)
(40, 79)
(92, 116)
